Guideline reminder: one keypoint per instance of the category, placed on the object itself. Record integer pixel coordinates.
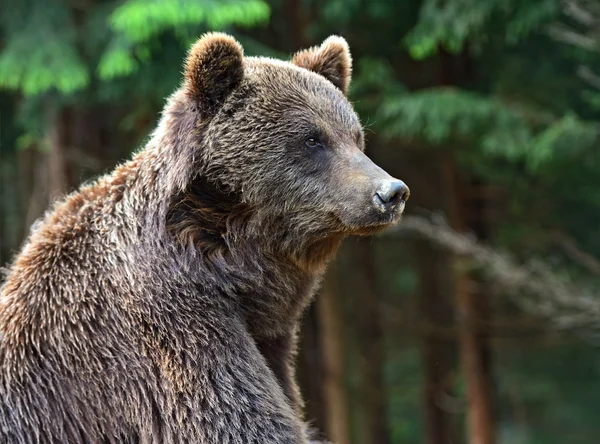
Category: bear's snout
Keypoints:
(391, 194)
(378, 197)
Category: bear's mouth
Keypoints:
(374, 222)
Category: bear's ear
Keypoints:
(332, 60)
(214, 67)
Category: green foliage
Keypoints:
(440, 115)
(40, 50)
(452, 23)
(117, 61)
(136, 22)
(374, 79)
(45, 50)
(141, 20)
(461, 118)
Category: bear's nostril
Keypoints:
(395, 200)
(392, 192)
(405, 195)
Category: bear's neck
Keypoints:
(268, 269)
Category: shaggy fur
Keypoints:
(160, 304)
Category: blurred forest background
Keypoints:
(477, 319)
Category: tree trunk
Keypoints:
(370, 338)
(474, 350)
(36, 164)
(473, 312)
(476, 367)
(332, 352)
(57, 158)
(295, 17)
(438, 344)
(434, 304)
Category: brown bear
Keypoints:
(161, 303)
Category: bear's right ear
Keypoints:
(214, 67)
(332, 60)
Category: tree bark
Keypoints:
(474, 349)
(295, 17)
(370, 339)
(57, 155)
(473, 313)
(475, 360)
(438, 350)
(331, 339)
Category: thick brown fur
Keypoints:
(160, 304)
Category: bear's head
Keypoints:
(278, 142)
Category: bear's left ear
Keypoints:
(214, 67)
(332, 60)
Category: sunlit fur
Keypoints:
(160, 304)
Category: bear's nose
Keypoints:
(392, 192)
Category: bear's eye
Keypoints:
(313, 142)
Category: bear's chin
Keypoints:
(369, 230)
(373, 224)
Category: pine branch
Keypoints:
(565, 34)
(576, 254)
(583, 14)
(534, 286)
